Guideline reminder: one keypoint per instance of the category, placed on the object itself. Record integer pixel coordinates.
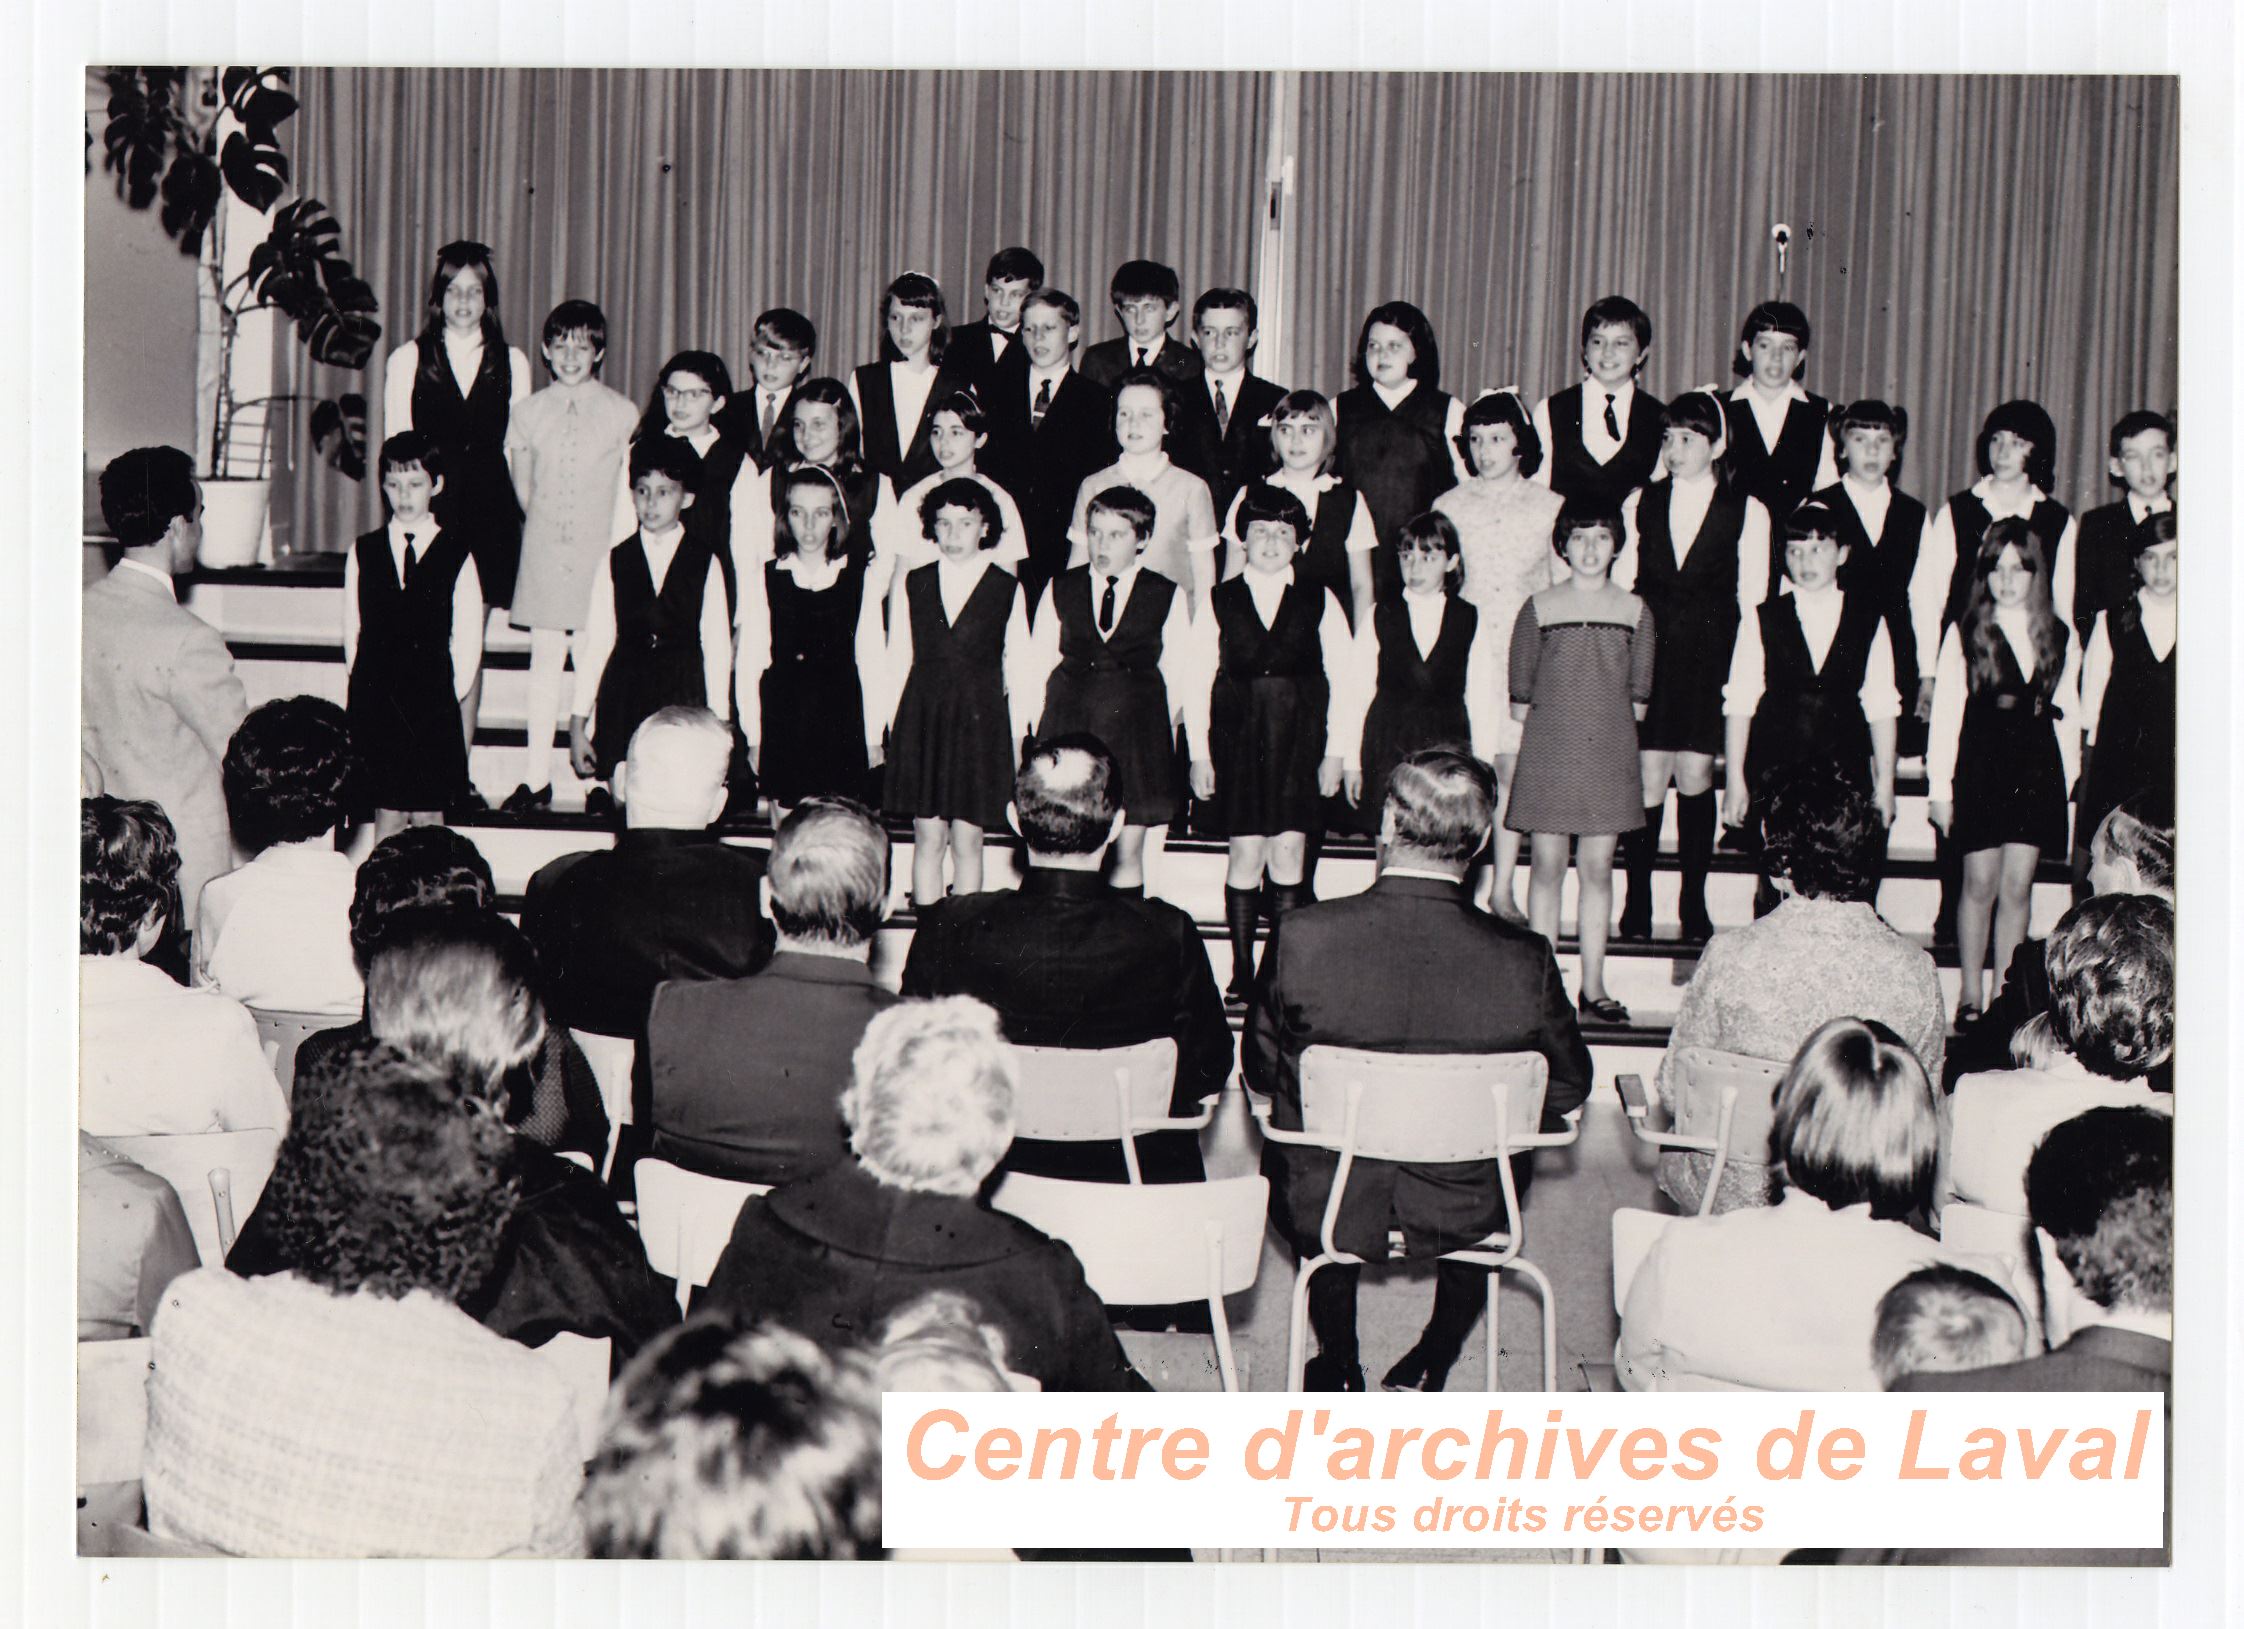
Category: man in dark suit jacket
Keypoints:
(1069, 961)
(976, 348)
(1051, 429)
(1226, 448)
(2100, 1192)
(1408, 966)
(1145, 295)
(748, 1073)
(669, 901)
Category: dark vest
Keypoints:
(1780, 476)
(977, 638)
(1971, 521)
(1290, 648)
(471, 430)
(1397, 458)
(2103, 565)
(1135, 644)
(1879, 570)
(1702, 593)
(1806, 714)
(1575, 474)
(708, 519)
(407, 625)
(815, 628)
(1324, 562)
(657, 661)
(2136, 725)
(898, 451)
(1437, 678)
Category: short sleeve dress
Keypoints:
(1506, 533)
(577, 441)
(1578, 771)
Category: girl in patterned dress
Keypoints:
(1503, 522)
(1581, 673)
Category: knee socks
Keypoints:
(1332, 1310)
(1694, 833)
(1639, 853)
(1240, 908)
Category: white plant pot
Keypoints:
(237, 525)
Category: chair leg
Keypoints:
(1542, 1284)
(1297, 1330)
(1495, 1280)
(1226, 1362)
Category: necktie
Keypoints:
(412, 559)
(1612, 422)
(1106, 607)
(1141, 356)
(1223, 412)
(764, 421)
(1042, 405)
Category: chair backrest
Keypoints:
(282, 1033)
(199, 1166)
(1150, 1246)
(2004, 1242)
(583, 1364)
(1634, 1234)
(112, 1409)
(611, 1057)
(1068, 1095)
(1700, 1074)
(1424, 1109)
(685, 1220)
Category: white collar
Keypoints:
(1865, 489)
(1793, 391)
(1984, 490)
(1394, 395)
(1268, 582)
(1122, 579)
(1038, 375)
(1622, 393)
(1322, 481)
(668, 538)
(1824, 596)
(967, 569)
(423, 532)
(171, 588)
(2139, 511)
(699, 440)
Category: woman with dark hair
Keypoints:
(1823, 953)
(1785, 1297)
(347, 1407)
(275, 933)
(454, 989)
(152, 1057)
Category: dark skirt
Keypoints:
(406, 731)
(2130, 756)
(2010, 783)
(814, 737)
(1130, 713)
(951, 752)
(1690, 664)
(479, 507)
(1267, 737)
(634, 687)
(1393, 730)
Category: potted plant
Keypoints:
(184, 139)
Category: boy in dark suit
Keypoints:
(1051, 428)
(977, 348)
(1145, 296)
(779, 355)
(1218, 434)
(1408, 966)
(2142, 460)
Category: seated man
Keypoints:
(152, 1057)
(1068, 961)
(1408, 966)
(748, 1073)
(276, 932)
(2100, 1191)
(133, 1240)
(669, 901)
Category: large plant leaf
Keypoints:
(258, 97)
(255, 167)
(191, 197)
(144, 126)
(339, 434)
(300, 270)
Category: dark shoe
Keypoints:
(1418, 1370)
(1239, 992)
(523, 801)
(1967, 1016)
(1698, 927)
(1604, 1009)
(1325, 1372)
(467, 805)
(1636, 919)
(600, 803)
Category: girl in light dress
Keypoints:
(1503, 522)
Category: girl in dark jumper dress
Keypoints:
(1396, 428)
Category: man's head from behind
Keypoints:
(674, 774)
(1440, 808)
(2100, 1190)
(827, 886)
(1065, 798)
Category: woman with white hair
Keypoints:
(930, 1113)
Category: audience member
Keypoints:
(2110, 1022)
(1941, 1320)
(133, 1240)
(930, 1112)
(1408, 966)
(159, 698)
(153, 1057)
(553, 1099)
(748, 1073)
(722, 1444)
(1068, 961)
(1823, 953)
(453, 989)
(939, 1344)
(2100, 1191)
(348, 1407)
(669, 901)
(1785, 1297)
(276, 932)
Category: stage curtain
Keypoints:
(685, 202)
(1957, 241)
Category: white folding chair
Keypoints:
(1634, 1234)
(1137, 1243)
(1062, 1095)
(112, 1409)
(1420, 1109)
(583, 1364)
(281, 1033)
(612, 1058)
(685, 1220)
(1724, 1106)
(218, 1176)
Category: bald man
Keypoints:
(669, 901)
